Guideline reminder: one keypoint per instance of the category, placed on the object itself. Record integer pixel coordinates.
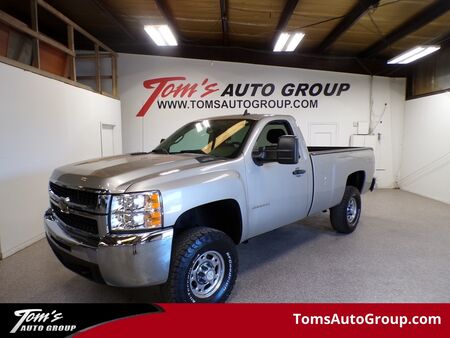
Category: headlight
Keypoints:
(140, 211)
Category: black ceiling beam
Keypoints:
(123, 27)
(167, 14)
(224, 18)
(430, 13)
(347, 21)
(285, 16)
(443, 40)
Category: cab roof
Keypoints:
(255, 117)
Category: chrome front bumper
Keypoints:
(140, 259)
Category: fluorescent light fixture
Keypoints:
(287, 42)
(295, 40)
(414, 54)
(167, 35)
(155, 35)
(282, 39)
(161, 35)
(428, 50)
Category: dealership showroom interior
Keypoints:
(262, 151)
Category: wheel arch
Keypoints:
(224, 215)
(357, 180)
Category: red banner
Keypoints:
(280, 320)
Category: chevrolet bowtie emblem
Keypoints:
(64, 204)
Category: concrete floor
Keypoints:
(399, 253)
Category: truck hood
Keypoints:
(117, 173)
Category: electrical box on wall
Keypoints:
(363, 128)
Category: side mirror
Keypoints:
(287, 151)
(259, 156)
(162, 140)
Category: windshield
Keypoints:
(221, 138)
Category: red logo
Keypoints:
(174, 87)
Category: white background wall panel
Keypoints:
(43, 124)
(425, 168)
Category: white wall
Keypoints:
(425, 166)
(144, 133)
(387, 126)
(43, 124)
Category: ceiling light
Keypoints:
(413, 54)
(295, 40)
(287, 42)
(167, 35)
(161, 35)
(282, 39)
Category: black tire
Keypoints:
(199, 256)
(342, 219)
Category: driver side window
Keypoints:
(271, 133)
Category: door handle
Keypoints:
(298, 172)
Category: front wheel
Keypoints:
(345, 216)
(203, 268)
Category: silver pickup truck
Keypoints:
(173, 216)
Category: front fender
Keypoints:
(183, 194)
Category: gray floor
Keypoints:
(399, 253)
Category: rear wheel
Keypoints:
(345, 216)
(204, 267)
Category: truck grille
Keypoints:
(85, 224)
(81, 197)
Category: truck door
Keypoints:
(278, 194)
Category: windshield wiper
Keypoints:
(160, 151)
(193, 151)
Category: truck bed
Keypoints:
(319, 150)
(331, 168)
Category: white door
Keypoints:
(323, 134)
(107, 139)
(277, 193)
